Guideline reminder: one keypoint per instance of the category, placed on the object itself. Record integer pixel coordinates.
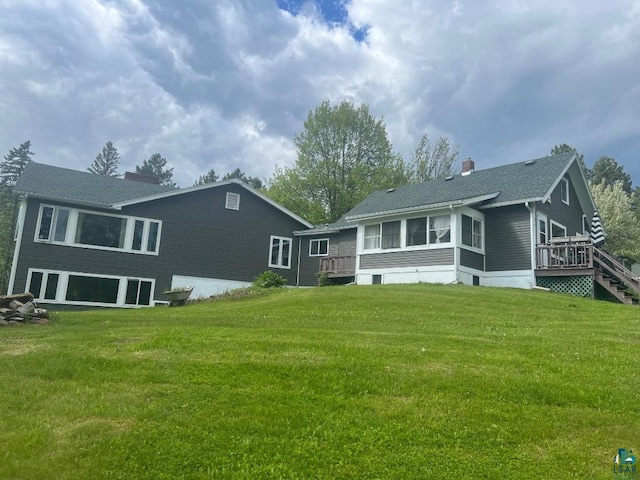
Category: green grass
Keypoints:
(388, 382)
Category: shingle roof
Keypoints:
(74, 186)
(514, 183)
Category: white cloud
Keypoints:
(227, 84)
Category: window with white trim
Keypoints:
(564, 190)
(280, 252)
(233, 201)
(319, 247)
(83, 228)
(371, 236)
(557, 230)
(391, 234)
(440, 229)
(471, 232)
(89, 289)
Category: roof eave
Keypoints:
(426, 208)
(73, 201)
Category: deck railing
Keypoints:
(338, 265)
(565, 252)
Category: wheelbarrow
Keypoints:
(178, 296)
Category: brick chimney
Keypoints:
(468, 166)
(139, 177)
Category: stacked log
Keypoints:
(21, 308)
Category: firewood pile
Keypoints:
(21, 308)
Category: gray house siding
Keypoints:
(342, 243)
(199, 237)
(508, 238)
(414, 258)
(568, 215)
(471, 259)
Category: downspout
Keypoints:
(533, 230)
(456, 249)
(17, 238)
(299, 254)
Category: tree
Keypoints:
(432, 161)
(343, 155)
(210, 177)
(10, 169)
(155, 166)
(106, 162)
(564, 148)
(621, 225)
(607, 170)
(253, 182)
(14, 163)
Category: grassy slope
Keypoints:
(398, 382)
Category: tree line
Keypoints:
(344, 154)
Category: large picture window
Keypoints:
(85, 289)
(420, 231)
(280, 255)
(96, 230)
(471, 232)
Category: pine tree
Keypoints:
(106, 162)
(155, 166)
(14, 163)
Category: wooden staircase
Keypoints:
(615, 278)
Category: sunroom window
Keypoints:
(391, 234)
(439, 229)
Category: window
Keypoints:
(564, 190)
(85, 289)
(280, 256)
(101, 230)
(439, 229)
(319, 247)
(96, 230)
(233, 201)
(391, 234)
(138, 292)
(372, 236)
(416, 231)
(557, 230)
(471, 232)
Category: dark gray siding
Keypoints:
(200, 237)
(508, 238)
(412, 258)
(568, 215)
(341, 243)
(471, 259)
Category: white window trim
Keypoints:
(232, 201)
(72, 225)
(279, 264)
(564, 182)
(63, 283)
(403, 235)
(480, 219)
(553, 223)
(318, 254)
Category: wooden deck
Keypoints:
(337, 266)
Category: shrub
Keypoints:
(269, 279)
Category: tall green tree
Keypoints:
(253, 182)
(432, 160)
(10, 169)
(621, 225)
(564, 148)
(343, 155)
(156, 166)
(607, 170)
(210, 177)
(106, 162)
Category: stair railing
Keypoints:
(615, 269)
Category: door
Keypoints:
(542, 228)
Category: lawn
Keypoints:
(362, 382)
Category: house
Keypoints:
(522, 225)
(91, 240)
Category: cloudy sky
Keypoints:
(228, 83)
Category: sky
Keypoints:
(227, 84)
